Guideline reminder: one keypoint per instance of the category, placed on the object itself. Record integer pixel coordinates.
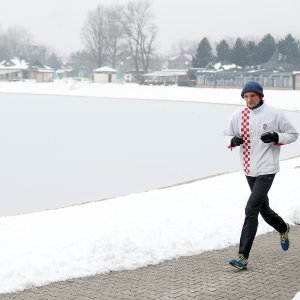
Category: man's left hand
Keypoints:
(269, 137)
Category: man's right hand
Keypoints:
(236, 141)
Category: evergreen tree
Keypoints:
(239, 53)
(289, 47)
(251, 50)
(223, 51)
(265, 49)
(203, 55)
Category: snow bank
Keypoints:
(135, 230)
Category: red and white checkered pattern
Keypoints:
(245, 127)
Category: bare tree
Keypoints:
(94, 35)
(2, 45)
(140, 32)
(184, 47)
(81, 59)
(115, 35)
(15, 41)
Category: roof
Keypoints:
(182, 56)
(14, 64)
(219, 67)
(166, 73)
(105, 70)
(62, 71)
(18, 64)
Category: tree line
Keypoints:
(16, 41)
(115, 34)
(110, 34)
(248, 53)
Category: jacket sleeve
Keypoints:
(287, 132)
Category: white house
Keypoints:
(105, 74)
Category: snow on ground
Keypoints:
(139, 229)
(285, 99)
(135, 230)
(297, 296)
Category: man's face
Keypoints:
(251, 99)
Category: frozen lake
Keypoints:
(61, 150)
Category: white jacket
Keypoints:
(264, 157)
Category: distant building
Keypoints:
(167, 77)
(133, 76)
(234, 76)
(65, 72)
(16, 69)
(13, 69)
(277, 62)
(296, 76)
(182, 61)
(39, 72)
(276, 73)
(105, 75)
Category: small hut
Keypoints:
(105, 74)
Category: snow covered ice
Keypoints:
(138, 229)
(285, 99)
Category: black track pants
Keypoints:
(258, 203)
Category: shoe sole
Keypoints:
(238, 267)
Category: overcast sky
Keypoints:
(58, 23)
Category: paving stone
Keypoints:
(272, 274)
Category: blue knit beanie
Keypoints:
(254, 87)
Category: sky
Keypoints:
(58, 23)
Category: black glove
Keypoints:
(269, 137)
(236, 141)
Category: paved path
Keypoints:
(272, 274)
